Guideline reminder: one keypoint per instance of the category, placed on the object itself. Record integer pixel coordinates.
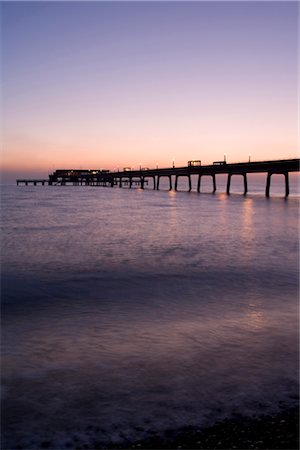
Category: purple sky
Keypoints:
(113, 84)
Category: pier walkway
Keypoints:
(141, 177)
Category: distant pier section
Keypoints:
(34, 182)
(143, 176)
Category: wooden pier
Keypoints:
(142, 177)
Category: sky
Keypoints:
(123, 84)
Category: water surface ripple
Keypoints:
(128, 312)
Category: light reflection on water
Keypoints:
(132, 311)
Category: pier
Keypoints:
(144, 176)
(34, 182)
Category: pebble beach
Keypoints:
(279, 431)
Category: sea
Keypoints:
(129, 312)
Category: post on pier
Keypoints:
(157, 183)
(130, 182)
(190, 183)
(228, 183)
(287, 187)
(120, 182)
(268, 184)
(214, 182)
(142, 182)
(245, 184)
(199, 182)
(170, 182)
(154, 183)
(176, 182)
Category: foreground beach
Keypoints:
(266, 432)
(279, 431)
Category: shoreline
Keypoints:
(270, 432)
(278, 431)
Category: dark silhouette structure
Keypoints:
(35, 182)
(141, 177)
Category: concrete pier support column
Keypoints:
(214, 182)
(142, 182)
(245, 184)
(176, 182)
(157, 183)
(190, 183)
(287, 186)
(120, 182)
(130, 182)
(228, 184)
(268, 184)
(154, 183)
(170, 182)
(112, 182)
(199, 183)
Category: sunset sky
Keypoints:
(114, 84)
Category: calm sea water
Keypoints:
(128, 312)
